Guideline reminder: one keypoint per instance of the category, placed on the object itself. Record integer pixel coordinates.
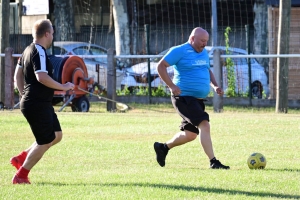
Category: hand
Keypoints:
(219, 91)
(175, 90)
(68, 86)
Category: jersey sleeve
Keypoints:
(39, 60)
(19, 63)
(173, 55)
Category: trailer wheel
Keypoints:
(257, 89)
(1, 106)
(81, 105)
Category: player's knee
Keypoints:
(204, 126)
(45, 147)
(190, 135)
(58, 136)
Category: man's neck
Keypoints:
(39, 42)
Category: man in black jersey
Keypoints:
(34, 81)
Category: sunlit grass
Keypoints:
(106, 155)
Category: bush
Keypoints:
(160, 91)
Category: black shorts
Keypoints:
(43, 122)
(192, 111)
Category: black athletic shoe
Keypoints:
(160, 153)
(218, 165)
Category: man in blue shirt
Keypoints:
(190, 85)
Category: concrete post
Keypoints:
(9, 78)
(111, 79)
(217, 100)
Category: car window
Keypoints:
(155, 59)
(252, 61)
(240, 61)
(59, 51)
(98, 51)
(158, 59)
(236, 61)
(82, 51)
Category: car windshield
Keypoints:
(98, 51)
(237, 61)
(158, 59)
(86, 50)
(59, 51)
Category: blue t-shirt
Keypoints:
(191, 70)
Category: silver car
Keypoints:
(259, 80)
(84, 48)
(137, 75)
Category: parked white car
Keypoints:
(136, 75)
(84, 48)
(259, 79)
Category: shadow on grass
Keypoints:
(154, 110)
(182, 187)
(283, 170)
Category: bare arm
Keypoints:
(214, 84)
(19, 79)
(46, 80)
(162, 71)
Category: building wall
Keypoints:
(294, 63)
(28, 21)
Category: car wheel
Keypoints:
(1, 106)
(97, 89)
(131, 88)
(257, 89)
(81, 105)
(122, 87)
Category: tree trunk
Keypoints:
(132, 8)
(64, 20)
(283, 63)
(261, 33)
(121, 27)
(4, 35)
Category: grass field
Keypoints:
(110, 156)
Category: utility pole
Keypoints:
(20, 6)
(217, 100)
(283, 63)
(4, 40)
(214, 23)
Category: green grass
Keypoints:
(107, 155)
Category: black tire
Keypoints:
(122, 87)
(257, 89)
(1, 106)
(81, 104)
(130, 88)
(97, 89)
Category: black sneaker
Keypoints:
(218, 165)
(160, 153)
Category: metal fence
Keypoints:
(137, 80)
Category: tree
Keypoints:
(261, 32)
(120, 18)
(4, 35)
(283, 63)
(64, 20)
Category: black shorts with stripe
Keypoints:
(42, 120)
(192, 111)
